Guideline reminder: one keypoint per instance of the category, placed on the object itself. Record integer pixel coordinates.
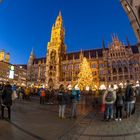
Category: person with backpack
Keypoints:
(129, 97)
(119, 104)
(75, 98)
(109, 99)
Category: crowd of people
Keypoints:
(120, 103)
(114, 101)
(61, 96)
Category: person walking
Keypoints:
(6, 100)
(62, 101)
(129, 97)
(119, 104)
(109, 99)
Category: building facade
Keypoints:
(15, 74)
(132, 9)
(112, 65)
(4, 56)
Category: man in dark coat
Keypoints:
(6, 100)
(128, 98)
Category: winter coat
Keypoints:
(7, 95)
(75, 95)
(119, 100)
(105, 94)
(129, 94)
(43, 93)
(62, 98)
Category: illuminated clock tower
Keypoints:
(55, 51)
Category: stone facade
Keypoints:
(132, 9)
(114, 64)
(19, 73)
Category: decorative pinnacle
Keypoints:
(60, 13)
(32, 52)
(103, 43)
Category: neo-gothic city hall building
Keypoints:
(112, 65)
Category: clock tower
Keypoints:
(55, 51)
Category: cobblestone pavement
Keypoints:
(92, 127)
(32, 121)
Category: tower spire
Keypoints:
(32, 52)
(103, 44)
(127, 40)
(81, 54)
(60, 13)
(59, 20)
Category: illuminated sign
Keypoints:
(11, 74)
(12, 68)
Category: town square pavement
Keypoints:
(32, 121)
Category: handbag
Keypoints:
(102, 108)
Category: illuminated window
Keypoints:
(69, 66)
(101, 72)
(101, 65)
(94, 66)
(64, 67)
(76, 66)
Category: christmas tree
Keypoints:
(85, 78)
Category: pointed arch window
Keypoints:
(114, 71)
(120, 70)
(125, 69)
(114, 64)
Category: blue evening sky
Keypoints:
(27, 23)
